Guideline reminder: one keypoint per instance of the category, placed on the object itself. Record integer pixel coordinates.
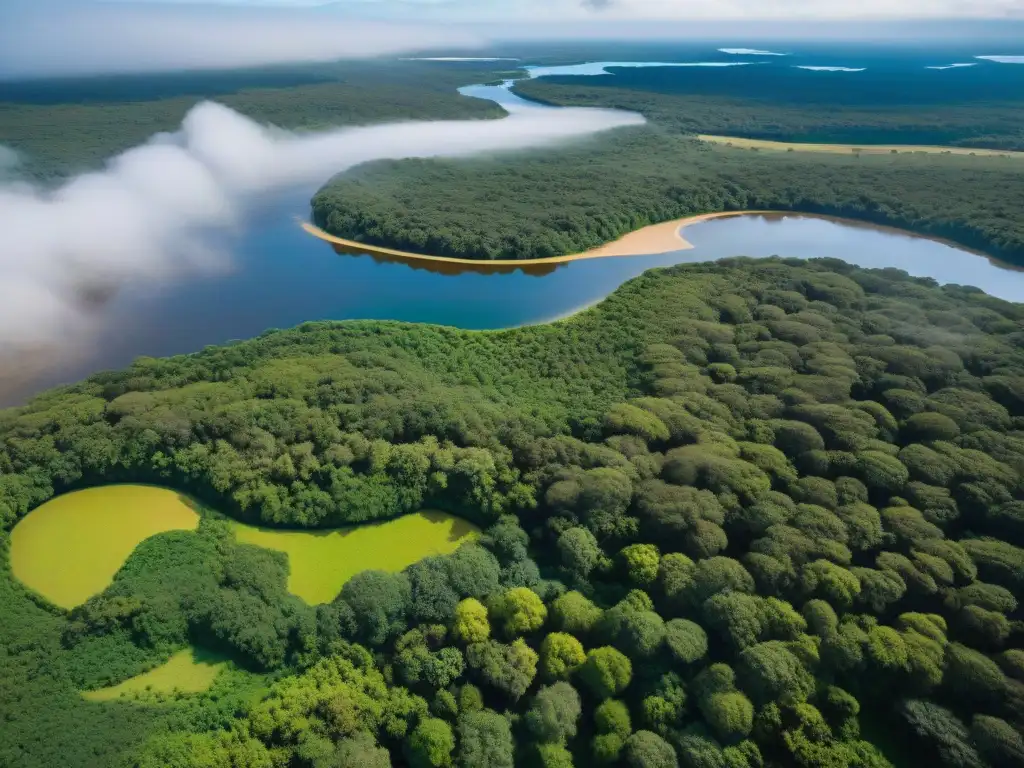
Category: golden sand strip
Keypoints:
(649, 241)
(863, 149)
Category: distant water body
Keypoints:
(592, 68)
(282, 276)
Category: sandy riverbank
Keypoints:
(861, 149)
(649, 241)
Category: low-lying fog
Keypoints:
(159, 210)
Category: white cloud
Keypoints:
(540, 11)
(159, 211)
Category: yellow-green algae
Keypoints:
(185, 672)
(69, 548)
(320, 562)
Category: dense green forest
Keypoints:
(885, 104)
(65, 126)
(742, 514)
(565, 200)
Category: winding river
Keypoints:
(282, 276)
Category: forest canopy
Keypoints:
(749, 513)
(64, 126)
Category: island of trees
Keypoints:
(742, 514)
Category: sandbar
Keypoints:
(653, 240)
(861, 149)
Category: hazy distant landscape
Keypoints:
(750, 495)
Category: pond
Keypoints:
(70, 548)
(320, 562)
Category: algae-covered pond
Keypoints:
(187, 671)
(320, 562)
(71, 547)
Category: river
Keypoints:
(280, 276)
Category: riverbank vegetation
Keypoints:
(726, 512)
(567, 200)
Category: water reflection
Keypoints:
(450, 268)
(775, 234)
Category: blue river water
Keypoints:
(280, 277)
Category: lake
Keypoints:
(279, 276)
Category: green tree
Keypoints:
(997, 741)
(430, 745)
(606, 748)
(579, 552)
(553, 756)
(612, 716)
(519, 611)
(642, 562)
(471, 624)
(925, 427)
(638, 633)
(645, 749)
(561, 655)
(380, 602)
(687, 640)
(939, 729)
(730, 715)
(470, 699)
(771, 672)
(553, 713)
(973, 677)
(485, 738)
(606, 672)
(509, 668)
(575, 614)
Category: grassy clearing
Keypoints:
(69, 548)
(320, 562)
(188, 671)
(868, 149)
